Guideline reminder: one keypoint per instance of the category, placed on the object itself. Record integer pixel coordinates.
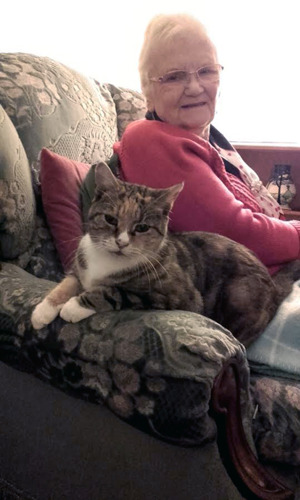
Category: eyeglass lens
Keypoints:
(205, 74)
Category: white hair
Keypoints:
(162, 30)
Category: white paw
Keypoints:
(43, 314)
(73, 312)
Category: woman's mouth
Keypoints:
(194, 105)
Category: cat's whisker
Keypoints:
(147, 262)
(70, 240)
(99, 246)
(153, 257)
(145, 268)
(73, 252)
(147, 271)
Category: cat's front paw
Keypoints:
(43, 314)
(73, 312)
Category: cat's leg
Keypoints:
(47, 310)
(111, 298)
(73, 311)
(101, 299)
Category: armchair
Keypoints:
(132, 405)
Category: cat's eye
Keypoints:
(113, 221)
(141, 228)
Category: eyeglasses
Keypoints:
(206, 74)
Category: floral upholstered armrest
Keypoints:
(155, 369)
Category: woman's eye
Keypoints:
(176, 76)
(111, 220)
(141, 228)
(207, 71)
(203, 71)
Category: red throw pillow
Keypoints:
(60, 180)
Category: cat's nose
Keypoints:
(122, 244)
(122, 240)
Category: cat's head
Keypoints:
(129, 219)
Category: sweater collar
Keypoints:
(214, 134)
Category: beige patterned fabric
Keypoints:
(130, 106)
(17, 204)
(69, 113)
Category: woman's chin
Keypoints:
(196, 123)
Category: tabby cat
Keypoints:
(127, 259)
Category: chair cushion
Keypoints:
(17, 204)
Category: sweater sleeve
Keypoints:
(159, 155)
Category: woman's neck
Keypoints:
(202, 132)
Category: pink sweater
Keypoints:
(159, 155)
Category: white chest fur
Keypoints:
(101, 264)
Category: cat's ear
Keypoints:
(170, 194)
(104, 178)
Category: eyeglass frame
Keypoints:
(159, 79)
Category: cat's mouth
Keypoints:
(118, 252)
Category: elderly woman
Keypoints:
(180, 76)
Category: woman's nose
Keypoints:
(194, 84)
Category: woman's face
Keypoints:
(189, 105)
